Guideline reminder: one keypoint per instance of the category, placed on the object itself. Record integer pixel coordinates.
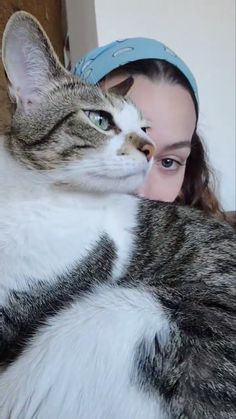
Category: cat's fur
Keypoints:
(111, 306)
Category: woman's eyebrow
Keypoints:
(177, 145)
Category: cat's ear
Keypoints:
(123, 87)
(29, 60)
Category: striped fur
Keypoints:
(111, 306)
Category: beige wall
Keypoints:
(82, 28)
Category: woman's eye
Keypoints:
(170, 164)
(101, 119)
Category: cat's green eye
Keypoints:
(101, 119)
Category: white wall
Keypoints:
(82, 28)
(202, 32)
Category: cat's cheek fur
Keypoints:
(86, 353)
(107, 170)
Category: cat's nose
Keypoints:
(135, 141)
(147, 149)
(142, 144)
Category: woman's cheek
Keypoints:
(162, 185)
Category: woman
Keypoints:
(165, 91)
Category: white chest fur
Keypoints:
(43, 232)
(42, 237)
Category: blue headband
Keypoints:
(102, 60)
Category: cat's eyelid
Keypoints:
(95, 110)
(101, 112)
(104, 114)
(146, 123)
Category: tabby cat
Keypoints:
(112, 307)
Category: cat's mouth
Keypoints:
(139, 173)
(120, 182)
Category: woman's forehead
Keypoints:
(168, 107)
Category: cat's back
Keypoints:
(158, 343)
(174, 230)
(188, 264)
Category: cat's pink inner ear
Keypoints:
(29, 60)
(24, 98)
(27, 74)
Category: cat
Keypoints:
(112, 306)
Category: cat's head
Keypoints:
(69, 131)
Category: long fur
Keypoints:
(111, 306)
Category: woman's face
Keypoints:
(172, 116)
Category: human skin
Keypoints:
(170, 110)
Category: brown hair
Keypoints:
(198, 186)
